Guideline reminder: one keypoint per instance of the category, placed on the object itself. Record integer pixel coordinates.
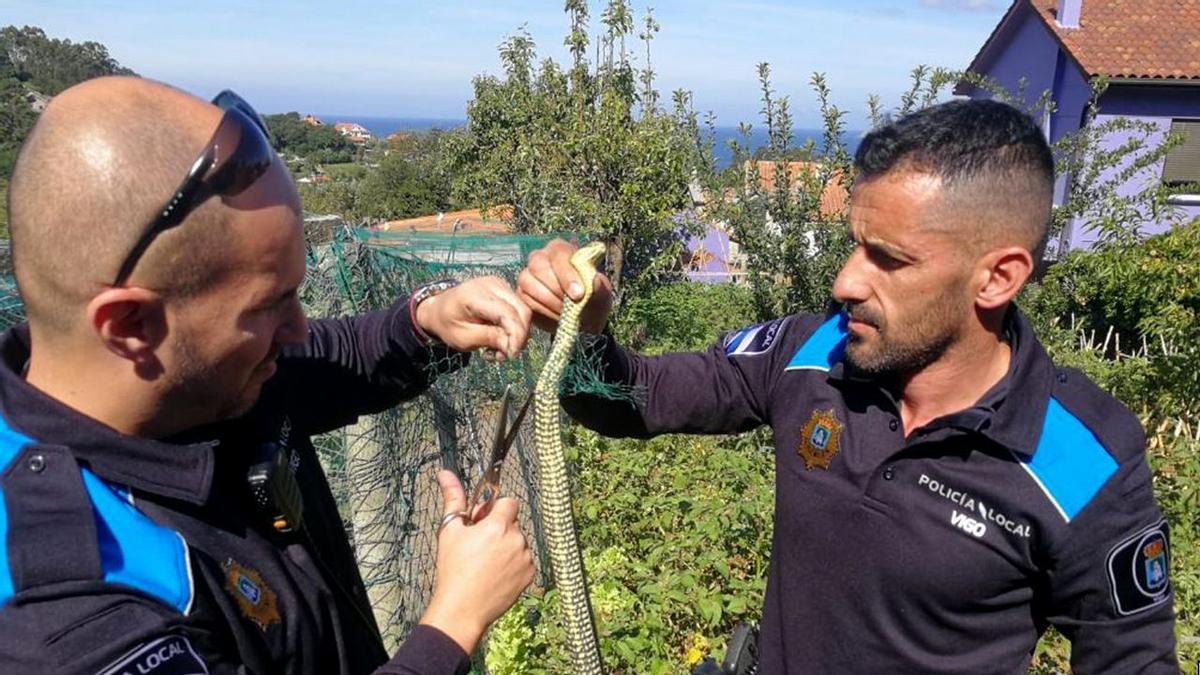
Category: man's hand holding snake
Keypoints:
(549, 277)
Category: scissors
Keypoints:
(488, 488)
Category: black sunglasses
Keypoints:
(238, 153)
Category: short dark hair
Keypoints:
(992, 160)
(958, 140)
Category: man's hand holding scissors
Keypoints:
(483, 559)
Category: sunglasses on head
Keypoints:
(238, 153)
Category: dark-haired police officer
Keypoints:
(944, 492)
(158, 248)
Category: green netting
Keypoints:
(12, 311)
(382, 468)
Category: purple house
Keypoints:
(1149, 50)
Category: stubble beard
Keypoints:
(900, 352)
(195, 389)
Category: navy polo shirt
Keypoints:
(133, 555)
(949, 551)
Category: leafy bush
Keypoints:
(1174, 450)
(1129, 316)
(585, 146)
(403, 186)
(409, 179)
(682, 316)
(676, 535)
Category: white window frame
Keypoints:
(1188, 198)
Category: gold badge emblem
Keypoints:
(251, 593)
(819, 439)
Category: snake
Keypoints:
(558, 522)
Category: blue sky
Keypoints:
(417, 58)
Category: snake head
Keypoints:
(585, 260)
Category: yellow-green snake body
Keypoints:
(558, 522)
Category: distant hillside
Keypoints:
(291, 135)
(34, 67)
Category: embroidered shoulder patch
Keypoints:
(756, 339)
(1138, 570)
(170, 655)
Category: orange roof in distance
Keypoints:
(466, 221)
(834, 198)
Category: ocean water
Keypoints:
(384, 126)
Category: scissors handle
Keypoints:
(487, 490)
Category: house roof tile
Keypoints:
(1156, 39)
(834, 195)
(469, 221)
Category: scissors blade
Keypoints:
(501, 450)
(501, 425)
(489, 483)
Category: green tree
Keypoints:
(32, 63)
(584, 147)
(290, 135)
(410, 178)
(793, 245)
(400, 188)
(50, 65)
(16, 119)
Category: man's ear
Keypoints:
(1001, 274)
(130, 322)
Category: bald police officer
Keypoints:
(158, 248)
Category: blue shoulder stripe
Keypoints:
(824, 348)
(1070, 464)
(134, 550)
(11, 443)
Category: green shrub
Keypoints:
(682, 316)
(1129, 316)
(291, 135)
(1175, 459)
(676, 535)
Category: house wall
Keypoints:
(716, 242)
(1155, 106)
(1029, 53)
(1072, 92)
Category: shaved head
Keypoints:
(104, 156)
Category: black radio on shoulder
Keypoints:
(274, 489)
